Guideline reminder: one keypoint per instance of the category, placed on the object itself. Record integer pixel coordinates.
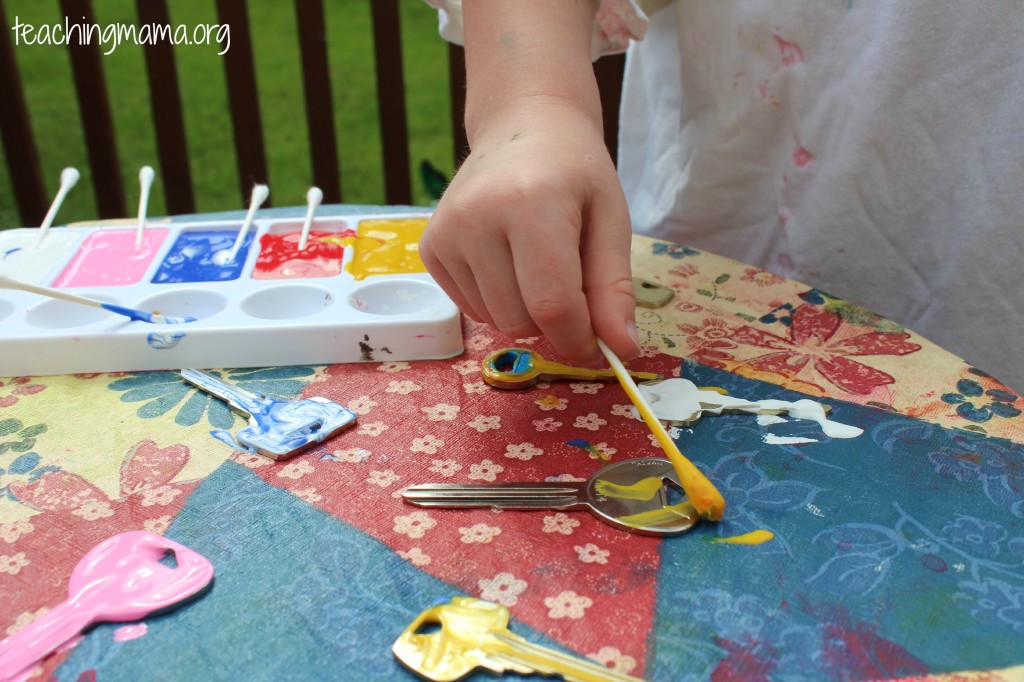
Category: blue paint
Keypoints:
(587, 446)
(143, 316)
(277, 428)
(164, 340)
(193, 258)
(8, 253)
(513, 361)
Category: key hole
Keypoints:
(313, 428)
(430, 627)
(648, 285)
(506, 362)
(169, 559)
(674, 493)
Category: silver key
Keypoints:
(634, 495)
(277, 429)
(473, 634)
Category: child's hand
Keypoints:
(533, 235)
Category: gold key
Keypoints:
(521, 367)
(474, 634)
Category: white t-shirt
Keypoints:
(872, 149)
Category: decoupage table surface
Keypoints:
(896, 554)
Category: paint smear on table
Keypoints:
(772, 439)
(18, 260)
(127, 633)
(201, 257)
(281, 258)
(387, 247)
(680, 400)
(754, 537)
(110, 258)
(587, 446)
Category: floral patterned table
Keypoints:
(897, 554)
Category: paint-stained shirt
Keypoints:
(874, 150)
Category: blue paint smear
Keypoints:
(277, 427)
(297, 595)
(164, 340)
(143, 316)
(191, 258)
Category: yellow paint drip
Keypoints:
(705, 497)
(549, 401)
(387, 247)
(641, 490)
(754, 537)
(660, 516)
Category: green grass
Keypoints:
(46, 78)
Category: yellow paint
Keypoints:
(656, 517)
(641, 490)
(387, 247)
(754, 537)
(705, 497)
(549, 401)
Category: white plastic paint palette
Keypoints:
(357, 292)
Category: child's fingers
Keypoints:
(452, 274)
(607, 277)
(550, 280)
(499, 288)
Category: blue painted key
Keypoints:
(277, 429)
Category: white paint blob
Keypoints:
(680, 400)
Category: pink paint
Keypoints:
(791, 52)
(110, 258)
(121, 579)
(127, 633)
(802, 158)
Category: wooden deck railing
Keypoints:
(250, 154)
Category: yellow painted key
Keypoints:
(449, 641)
(521, 368)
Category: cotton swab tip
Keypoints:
(69, 177)
(259, 195)
(314, 196)
(146, 176)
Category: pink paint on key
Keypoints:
(110, 258)
(127, 633)
(121, 579)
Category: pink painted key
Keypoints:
(121, 579)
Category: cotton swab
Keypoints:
(259, 195)
(313, 198)
(146, 176)
(68, 179)
(131, 313)
(703, 495)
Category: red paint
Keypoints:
(280, 257)
(741, 663)
(858, 653)
(791, 52)
(802, 158)
(934, 562)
